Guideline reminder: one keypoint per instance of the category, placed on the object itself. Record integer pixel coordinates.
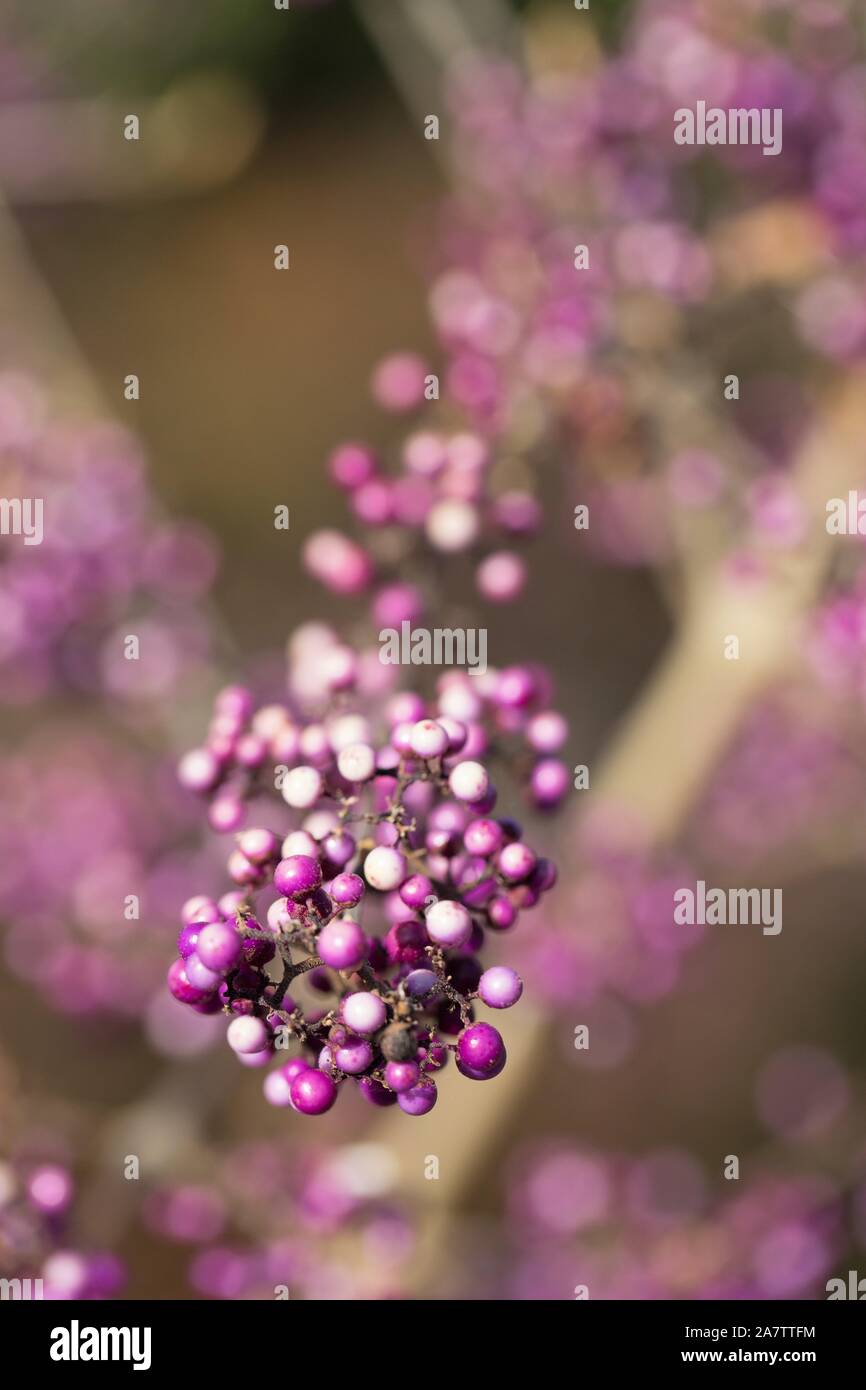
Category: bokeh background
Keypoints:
(297, 127)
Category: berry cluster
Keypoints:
(402, 821)
(272, 1218)
(100, 564)
(36, 1202)
(91, 936)
(441, 495)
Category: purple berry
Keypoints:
(481, 1051)
(298, 876)
(374, 1092)
(419, 1100)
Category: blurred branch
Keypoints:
(197, 135)
(658, 761)
(418, 42)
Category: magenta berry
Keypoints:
(298, 876)
(347, 890)
(312, 1092)
(342, 944)
(181, 986)
(402, 1076)
(219, 947)
(481, 1051)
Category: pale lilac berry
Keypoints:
(199, 770)
(483, 837)
(469, 781)
(277, 1089)
(302, 787)
(384, 868)
(226, 813)
(500, 987)
(363, 1012)
(198, 974)
(354, 1056)
(258, 845)
(357, 762)
(399, 381)
(547, 732)
(428, 739)
(516, 861)
(501, 577)
(247, 1034)
(299, 842)
(452, 524)
(219, 947)
(199, 909)
(448, 923)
